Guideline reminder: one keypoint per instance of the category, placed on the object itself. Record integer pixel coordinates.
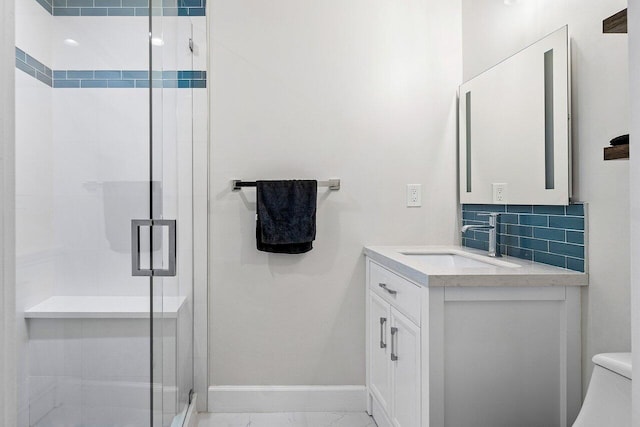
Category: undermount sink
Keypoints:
(455, 260)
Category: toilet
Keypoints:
(608, 400)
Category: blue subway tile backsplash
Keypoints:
(69, 79)
(535, 220)
(551, 259)
(534, 244)
(575, 264)
(557, 234)
(553, 235)
(568, 222)
(577, 210)
(520, 209)
(575, 237)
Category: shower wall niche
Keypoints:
(93, 151)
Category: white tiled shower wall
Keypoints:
(34, 190)
(81, 163)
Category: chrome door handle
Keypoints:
(384, 286)
(394, 356)
(136, 270)
(383, 344)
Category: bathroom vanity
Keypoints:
(455, 338)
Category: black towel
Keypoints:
(620, 140)
(286, 221)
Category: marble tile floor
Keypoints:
(293, 419)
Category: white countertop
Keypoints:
(519, 273)
(103, 307)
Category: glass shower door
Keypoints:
(171, 212)
(162, 243)
(103, 137)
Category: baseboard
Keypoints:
(287, 399)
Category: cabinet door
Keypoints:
(404, 344)
(379, 361)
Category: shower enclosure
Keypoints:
(104, 210)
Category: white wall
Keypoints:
(8, 401)
(100, 157)
(634, 74)
(492, 31)
(363, 91)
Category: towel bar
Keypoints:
(237, 184)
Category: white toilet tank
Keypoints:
(608, 400)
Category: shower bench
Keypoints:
(88, 353)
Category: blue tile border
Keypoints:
(123, 7)
(33, 67)
(552, 235)
(112, 79)
(47, 5)
(181, 79)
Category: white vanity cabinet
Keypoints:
(395, 362)
(471, 356)
(379, 351)
(405, 370)
(394, 346)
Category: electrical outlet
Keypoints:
(500, 193)
(414, 195)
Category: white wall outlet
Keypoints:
(500, 193)
(414, 195)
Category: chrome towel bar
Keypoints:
(332, 184)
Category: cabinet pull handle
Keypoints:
(384, 286)
(394, 356)
(383, 344)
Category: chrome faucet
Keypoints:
(494, 247)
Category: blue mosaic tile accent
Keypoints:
(123, 7)
(553, 235)
(112, 79)
(33, 67)
(129, 79)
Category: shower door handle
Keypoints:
(136, 270)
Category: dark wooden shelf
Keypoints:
(617, 152)
(615, 23)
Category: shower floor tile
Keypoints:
(295, 419)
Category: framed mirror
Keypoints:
(515, 145)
